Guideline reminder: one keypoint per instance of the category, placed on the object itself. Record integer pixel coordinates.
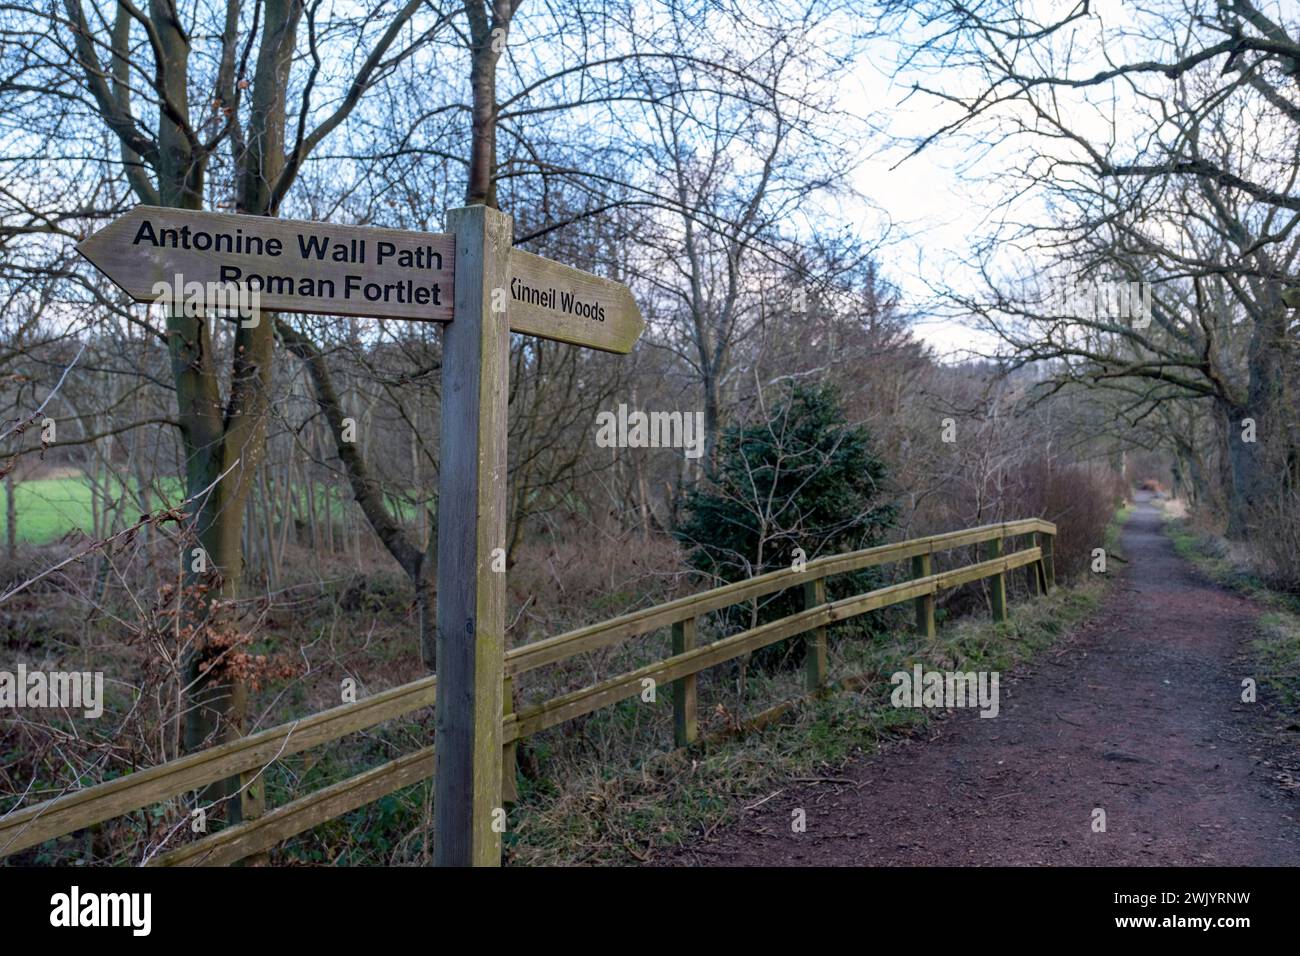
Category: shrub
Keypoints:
(1080, 501)
(801, 478)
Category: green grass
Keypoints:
(1277, 650)
(49, 508)
(1212, 556)
(1202, 550)
(1116, 526)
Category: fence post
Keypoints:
(999, 583)
(509, 760)
(922, 568)
(252, 795)
(1049, 566)
(685, 722)
(252, 783)
(814, 668)
(1032, 570)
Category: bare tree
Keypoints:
(1170, 164)
(221, 104)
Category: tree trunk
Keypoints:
(1246, 470)
(209, 718)
(712, 418)
(426, 603)
(487, 40)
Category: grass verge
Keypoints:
(1276, 646)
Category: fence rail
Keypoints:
(27, 827)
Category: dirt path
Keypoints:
(1139, 714)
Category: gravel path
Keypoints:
(1138, 714)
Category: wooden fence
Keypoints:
(27, 827)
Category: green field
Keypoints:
(49, 508)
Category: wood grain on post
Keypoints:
(471, 524)
(509, 758)
(998, 583)
(814, 668)
(922, 567)
(685, 690)
(251, 797)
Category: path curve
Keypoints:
(1138, 714)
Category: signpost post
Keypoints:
(471, 524)
(473, 280)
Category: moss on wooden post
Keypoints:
(509, 759)
(1049, 566)
(685, 721)
(922, 567)
(998, 583)
(814, 595)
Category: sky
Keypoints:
(933, 209)
(936, 207)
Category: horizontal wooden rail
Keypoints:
(579, 702)
(254, 836)
(82, 808)
(27, 827)
(596, 636)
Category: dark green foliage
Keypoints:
(802, 478)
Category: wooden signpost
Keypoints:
(293, 266)
(554, 301)
(472, 279)
(361, 271)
